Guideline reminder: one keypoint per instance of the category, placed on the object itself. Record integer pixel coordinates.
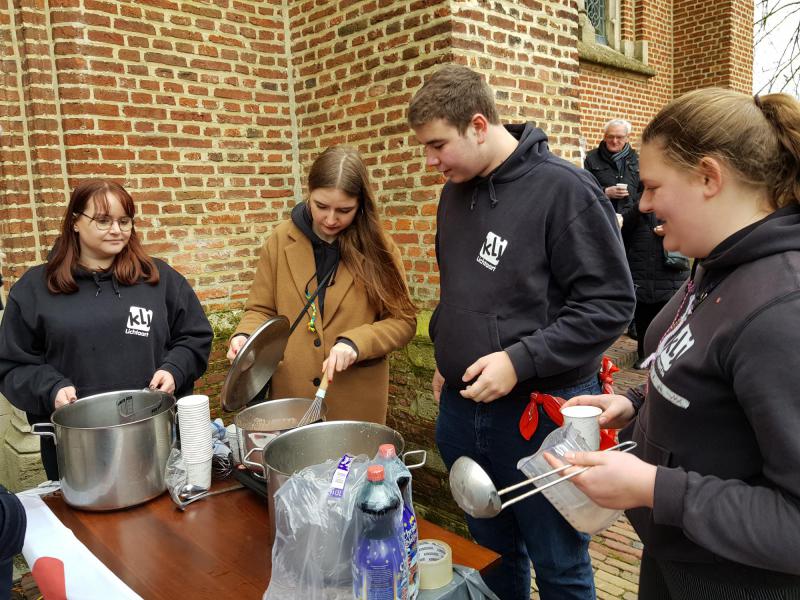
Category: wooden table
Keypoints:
(218, 548)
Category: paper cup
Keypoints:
(584, 420)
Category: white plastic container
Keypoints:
(575, 506)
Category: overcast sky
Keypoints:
(768, 50)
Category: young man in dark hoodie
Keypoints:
(534, 288)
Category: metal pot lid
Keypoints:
(255, 363)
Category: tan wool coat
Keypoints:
(284, 268)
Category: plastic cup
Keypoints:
(584, 420)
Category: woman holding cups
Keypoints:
(100, 315)
(714, 490)
(334, 241)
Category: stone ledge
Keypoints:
(607, 57)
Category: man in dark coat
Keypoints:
(615, 166)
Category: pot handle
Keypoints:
(415, 465)
(51, 433)
(252, 464)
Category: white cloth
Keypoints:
(85, 576)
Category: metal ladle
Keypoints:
(474, 492)
(192, 493)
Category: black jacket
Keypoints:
(654, 282)
(598, 162)
(102, 338)
(721, 416)
(531, 262)
(12, 525)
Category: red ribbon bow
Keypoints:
(552, 407)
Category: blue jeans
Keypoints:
(531, 530)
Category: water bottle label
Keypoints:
(410, 537)
(336, 489)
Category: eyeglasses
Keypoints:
(616, 137)
(105, 222)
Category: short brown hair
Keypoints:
(757, 137)
(130, 266)
(454, 93)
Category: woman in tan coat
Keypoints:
(363, 310)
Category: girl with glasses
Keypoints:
(363, 311)
(100, 315)
(713, 489)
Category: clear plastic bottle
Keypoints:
(397, 471)
(380, 568)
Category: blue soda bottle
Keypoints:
(379, 558)
(397, 471)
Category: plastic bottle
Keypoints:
(397, 471)
(380, 569)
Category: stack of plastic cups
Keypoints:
(194, 416)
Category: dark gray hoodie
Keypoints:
(721, 417)
(531, 262)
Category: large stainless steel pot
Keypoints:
(259, 425)
(314, 444)
(112, 448)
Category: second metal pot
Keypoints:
(259, 425)
(112, 448)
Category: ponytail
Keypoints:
(783, 114)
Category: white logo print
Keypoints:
(675, 346)
(139, 320)
(491, 251)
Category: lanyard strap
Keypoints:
(313, 297)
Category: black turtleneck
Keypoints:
(326, 255)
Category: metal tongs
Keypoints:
(477, 496)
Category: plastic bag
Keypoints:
(315, 532)
(575, 506)
(175, 474)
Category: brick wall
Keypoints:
(607, 93)
(186, 105)
(713, 45)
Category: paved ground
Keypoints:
(616, 551)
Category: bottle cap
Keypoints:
(387, 451)
(375, 473)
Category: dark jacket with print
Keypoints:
(606, 173)
(104, 337)
(531, 262)
(721, 416)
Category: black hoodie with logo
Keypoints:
(721, 417)
(104, 337)
(531, 262)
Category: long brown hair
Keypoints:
(131, 265)
(757, 136)
(363, 245)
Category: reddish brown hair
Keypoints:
(130, 266)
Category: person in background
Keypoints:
(534, 288)
(12, 535)
(363, 311)
(100, 315)
(712, 488)
(615, 165)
